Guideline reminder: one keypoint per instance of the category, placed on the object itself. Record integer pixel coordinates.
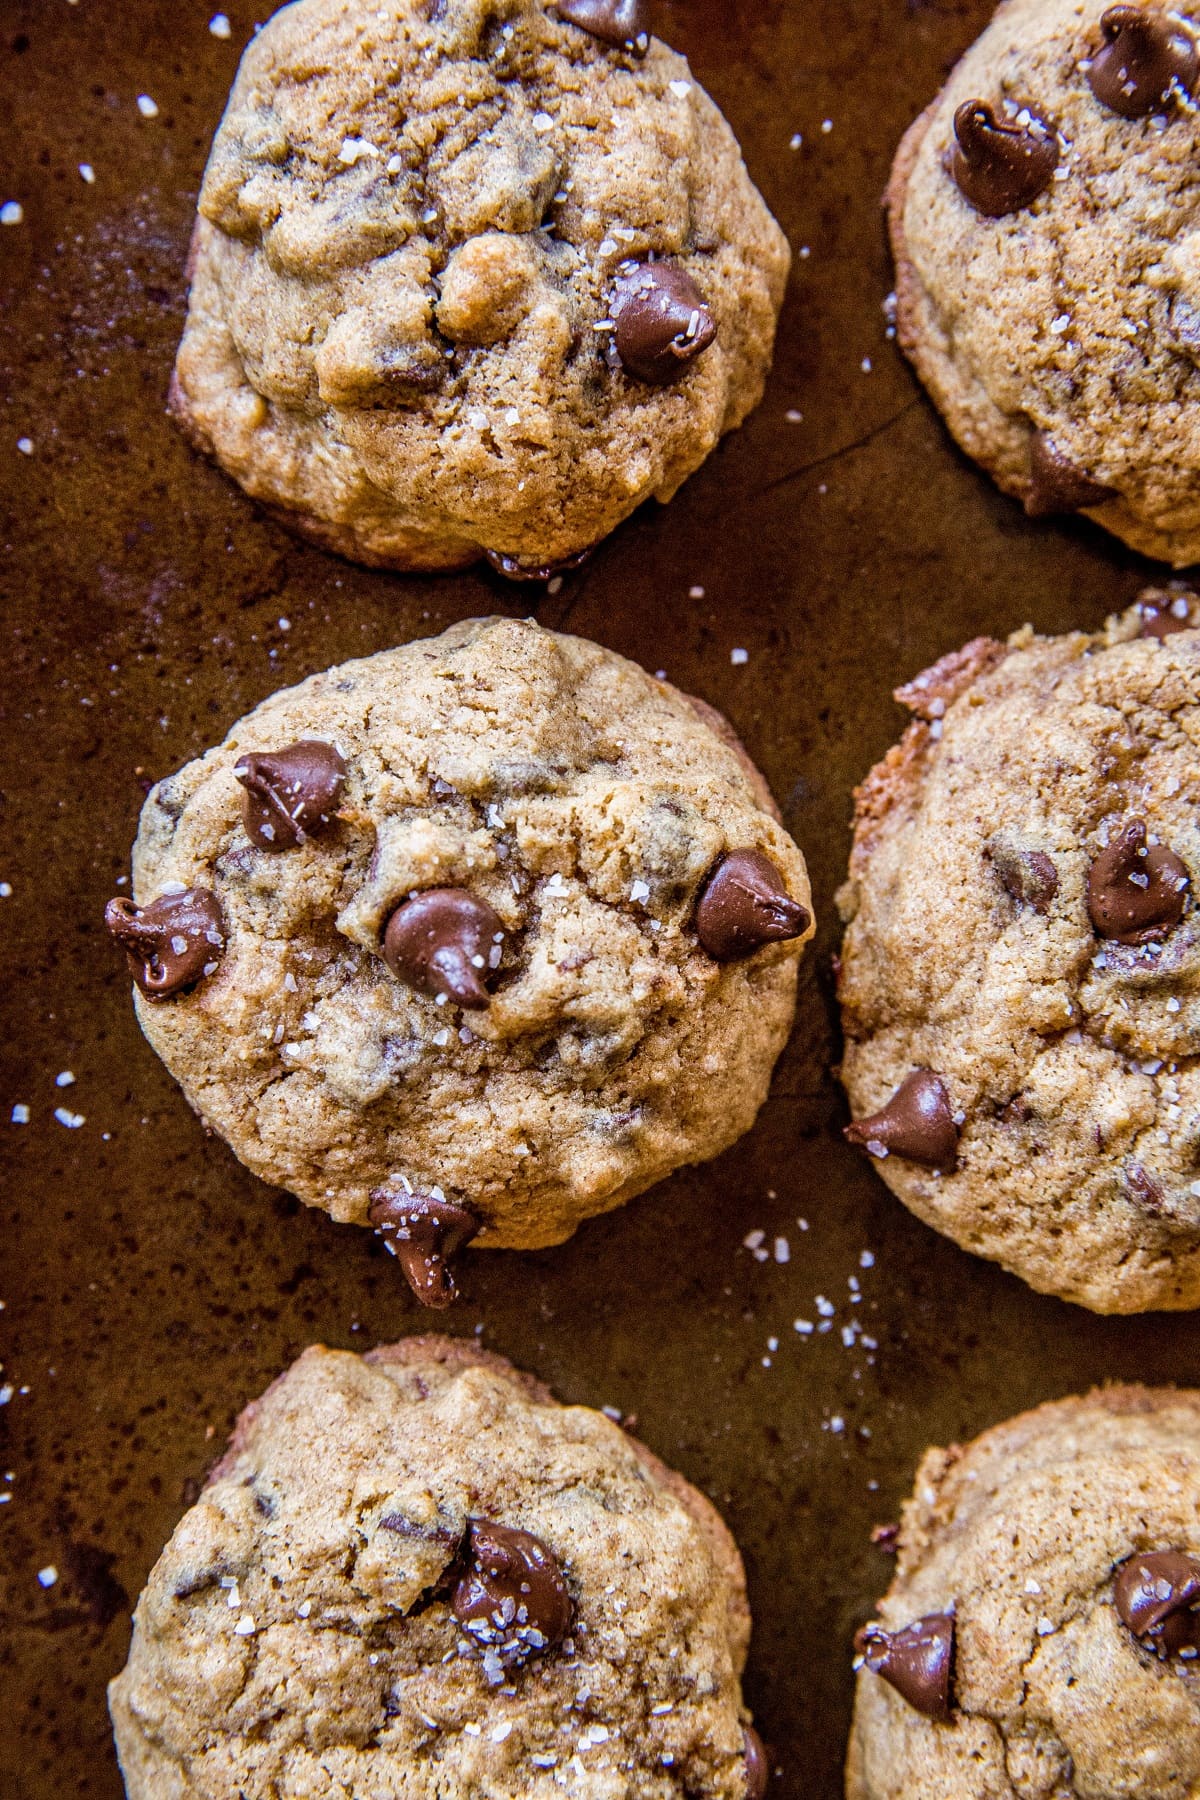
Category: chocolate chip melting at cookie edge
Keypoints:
(758, 1772)
(660, 321)
(424, 1234)
(1136, 893)
(1163, 612)
(1156, 1593)
(918, 1661)
(442, 941)
(917, 1122)
(512, 1596)
(1056, 484)
(172, 943)
(1145, 58)
(997, 165)
(744, 905)
(625, 23)
(290, 793)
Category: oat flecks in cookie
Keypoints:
(172, 942)
(410, 227)
(414, 1572)
(291, 794)
(484, 983)
(1022, 922)
(1146, 59)
(1036, 1531)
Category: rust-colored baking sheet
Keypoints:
(150, 1285)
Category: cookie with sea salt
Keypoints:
(471, 279)
(1020, 981)
(1040, 1637)
(415, 1574)
(473, 938)
(1048, 262)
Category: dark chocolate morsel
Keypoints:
(622, 22)
(1144, 58)
(1136, 894)
(514, 570)
(290, 793)
(172, 943)
(424, 1233)
(917, 1122)
(744, 905)
(1056, 484)
(918, 1661)
(442, 941)
(1028, 876)
(1156, 1594)
(1165, 611)
(511, 1597)
(660, 321)
(758, 1772)
(998, 165)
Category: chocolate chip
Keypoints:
(1143, 1188)
(1156, 1593)
(660, 321)
(622, 22)
(290, 793)
(1145, 59)
(918, 1661)
(1056, 484)
(1028, 876)
(1136, 894)
(172, 943)
(512, 1599)
(758, 1772)
(444, 941)
(917, 1122)
(999, 166)
(1164, 612)
(513, 569)
(744, 905)
(424, 1233)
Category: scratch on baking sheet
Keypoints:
(832, 456)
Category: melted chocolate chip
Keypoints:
(442, 942)
(1028, 876)
(917, 1122)
(744, 905)
(1156, 1594)
(1145, 58)
(660, 321)
(512, 1599)
(172, 943)
(758, 1772)
(514, 570)
(424, 1233)
(918, 1661)
(622, 22)
(290, 793)
(999, 166)
(1056, 484)
(1134, 894)
(1164, 612)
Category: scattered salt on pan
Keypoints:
(11, 213)
(147, 107)
(795, 141)
(866, 365)
(25, 446)
(65, 1079)
(804, 1327)
(753, 1239)
(738, 657)
(48, 1576)
(20, 1113)
(825, 1307)
(219, 26)
(695, 593)
(783, 1250)
(71, 1120)
(867, 1259)
(793, 416)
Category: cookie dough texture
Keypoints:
(582, 800)
(409, 229)
(1079, 316)
(1020, 1534)
(1072, 1062)
(289, 1644)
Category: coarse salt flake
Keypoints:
(71, 1120)
(739, 656)
(783, 1250)
(147, 107)
(219, 26)
(541, 121)
(245, 1626)
(680, 89)
(65, 1079)
(501, 1731)
(640, 891)
(87, 173)
(11, 213)
(20, 1113)
(48, 1576)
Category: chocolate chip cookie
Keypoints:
(1048, 263)
(472, 278)
(1040, 1638)
(1020, 982)
(415, 1573)
(473, 938)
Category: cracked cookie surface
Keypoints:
(298, 1636)
(1061, 339)
(409, 239)
(1020, 1536)
(1068, 1148)
(564, 791)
